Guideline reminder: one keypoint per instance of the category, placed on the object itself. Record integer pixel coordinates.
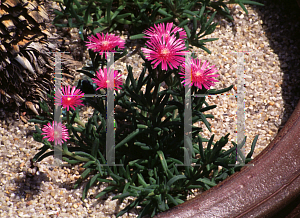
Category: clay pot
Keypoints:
(270, 188)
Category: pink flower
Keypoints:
(56, 132)
(160, 30)
(105, 43)
(200, 74)
(165, 50)
(102, 82)
(69, 98)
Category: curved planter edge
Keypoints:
(263, 190)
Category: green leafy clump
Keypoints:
(150, 153)
(97, 16)
(149, 148)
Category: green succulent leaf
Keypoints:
(175, 179)
(105, 191)
(88, 185)
(207, 181)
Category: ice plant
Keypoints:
(105, 43)
(201, 76)
(162, 30)
(102, 81)
(56, 132)
(165, 50)
(69, 98)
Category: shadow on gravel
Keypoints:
(29, 185)
(284, 39)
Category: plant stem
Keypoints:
(68, 117)
(157, 85)
(158, 80)
(70, 154)
(77, 120)
(76, 156)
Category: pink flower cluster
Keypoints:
(68, 97)
(165, 49)
(106, 43)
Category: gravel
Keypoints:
(271, 71)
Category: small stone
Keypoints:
(271, 103)
(75, 206)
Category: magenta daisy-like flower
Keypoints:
(105, 43)
(56, 132)
(102, 81)
(201, 76)
(69, 98)
(162, 30)
(165, 50)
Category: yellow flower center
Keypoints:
(105, 43)
(165, 52)
(68, 98)
(198, 74)
(56, 134)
